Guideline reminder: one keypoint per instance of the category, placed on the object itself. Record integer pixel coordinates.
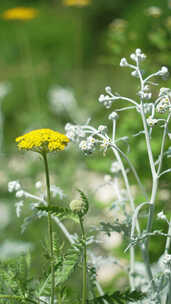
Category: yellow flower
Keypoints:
(20, 13)
(42, 141)
(76, 2)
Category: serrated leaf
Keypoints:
(118, 297)
(85, 200)
(62, 213)
(116, 226)
(64, 271)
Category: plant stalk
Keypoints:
(50, 229)
(84, 290)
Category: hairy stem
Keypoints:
(50, 229)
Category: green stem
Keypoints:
(50, 229)
(84, 290)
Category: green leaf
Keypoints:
(85, 200)
(118, 297)
(67, 266)
(62, 213)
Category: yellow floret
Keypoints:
(20, 13)
(42, 141)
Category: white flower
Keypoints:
(123, 62)
(162, 216)
(13, 186)
(102, 128)
(151, 121)
(163, 105)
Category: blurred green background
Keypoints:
(76, 48)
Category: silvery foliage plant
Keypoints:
(153, 279)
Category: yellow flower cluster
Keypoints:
(42, 141)
(20, 13)
(76, 2)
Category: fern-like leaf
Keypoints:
(67, 267)
(85, 200)
(118, 297)
(62, 213)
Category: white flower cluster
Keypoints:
(108, 99)
(115, 167)
(151, 121)
(145, 94)
(88, 146)
(165, 102)
(138, 56)
(14, 186)
(74, 132)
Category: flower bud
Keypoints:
(77, 206)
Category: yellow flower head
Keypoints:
(76, 2)
(20, 13)
(42, 141)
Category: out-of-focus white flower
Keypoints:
(19, 193)
(38, 184)
(19, 206)
(115, 168)
(61, 99)
(162, 216)
(57, 191)
(14, 186)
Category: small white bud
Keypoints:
(133, 57)
(101, 98)
(163, 71)
(135, 73)
(123, 62)
(19, 193)
(108, 90)
(113, 116)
